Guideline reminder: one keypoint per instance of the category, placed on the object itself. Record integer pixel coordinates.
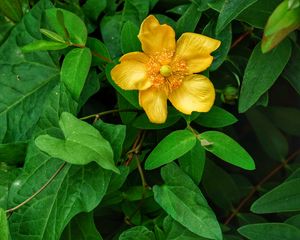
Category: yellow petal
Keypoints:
(195, 50)
(154, 102)
(156, 38)
(196, 93)
(135, 56)
(131, 75)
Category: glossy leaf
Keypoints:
(135, 11)
(216, 118)
(170, 148)
(230, 10)
(283, 198)
(261, 72)
(82, 145)
(137, 232)
(129, 40)
(276, 231)
(4, 233)
(75, 69)
(43, 45)
(227, 149)
(93, 8)
(99, 51)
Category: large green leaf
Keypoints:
(184, 202)
(75, 189)
(75, 69)
(12, 9)
(284, 198)
(129, 39)
(170, 148)
(93, 8)
(13, 153)
(136, 10)
(82, 145)
(4, 234)
(230, 10)
(270, 231)
(227, 149)
(81, 227)
(25, 79)
(261, 72)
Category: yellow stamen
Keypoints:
(165, 70)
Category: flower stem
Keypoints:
(98, 115)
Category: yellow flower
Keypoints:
(165, 70)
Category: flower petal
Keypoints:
(156, 38)
(196, 93)
(135, 56)
(195, 50)
(131, 75)
(154, 102)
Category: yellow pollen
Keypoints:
(165, 70)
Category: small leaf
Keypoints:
(216, 118)
(74, 70)
(230, 10)
(283, 198)
(4, 234)
(82, 145)
(129, 39)
(67, 25)
(227, 149)
(261, 72)
(170, 148)
(99, 50)
(43, 45)
(270, 231)
(53, 35)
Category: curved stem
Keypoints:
(37, 192)
(97, 115)
(255, 188)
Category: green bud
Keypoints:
(229, 95)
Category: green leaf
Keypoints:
(129, 39)
(216, 118)
(115, 134)
(130, 96)
(74, 70)
(174, 230)
(136, 11)
(184, 202)
(192, 163)
(53, 35)
(110, 27)
(230, 10)
(137, 232)
(75, 189)
(81, 227)
(271, 139)
(292, 69)
(99, 50)
(170, 148)
(275, 231)
(13, 153)
(268, 67)
(74, 25)
(189, 20)
(26, 79)
(294, 220)
(12, 9)
(82, 145)
(4, 234)
(282, 21)
(283, 198)
(227, 149)
(43, 45)
(93, 8)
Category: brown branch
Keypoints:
(136, 146)
(255, 188)
(240, 38)
(37, 192)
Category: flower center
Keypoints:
(165, 70)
